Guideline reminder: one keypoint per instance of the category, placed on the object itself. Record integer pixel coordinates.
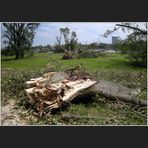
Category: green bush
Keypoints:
(7, 52)
(91, 54)
(135, 49)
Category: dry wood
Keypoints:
(53, 89)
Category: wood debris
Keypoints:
(52, 90)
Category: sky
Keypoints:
(86, 32)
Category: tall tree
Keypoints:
(58, 43)
(19, 36)
(73, 41)
(65, 32)
(70, 39)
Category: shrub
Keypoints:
(91, 54)
(135, 49)
(7, 52)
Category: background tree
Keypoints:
(58, 47)
(70, 40)
(73, 41)
(135, 45)
(19, 36)
(65, 32)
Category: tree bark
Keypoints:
(114, 91)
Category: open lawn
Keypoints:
(36, 61)
(40, 60)
(114, 67)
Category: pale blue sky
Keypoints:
(86, 32)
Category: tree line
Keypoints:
(19, 39)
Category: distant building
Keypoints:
(115, 39)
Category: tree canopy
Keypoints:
(19, 36)
(135, 45)
(70, 40)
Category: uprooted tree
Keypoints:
(19, 37)
(135, 45)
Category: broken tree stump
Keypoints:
(54, 89)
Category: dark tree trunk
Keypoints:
(17, 54)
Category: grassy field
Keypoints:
(114, 67)
(40, 60)
(36, 61)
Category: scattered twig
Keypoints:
(130, 108)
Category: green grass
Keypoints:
(93, 64)
(40, 60)
(114, 67)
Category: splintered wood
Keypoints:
(53, 89)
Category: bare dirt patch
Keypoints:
(10, 114)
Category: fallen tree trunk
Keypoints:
(52, 90)
(115, 91)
